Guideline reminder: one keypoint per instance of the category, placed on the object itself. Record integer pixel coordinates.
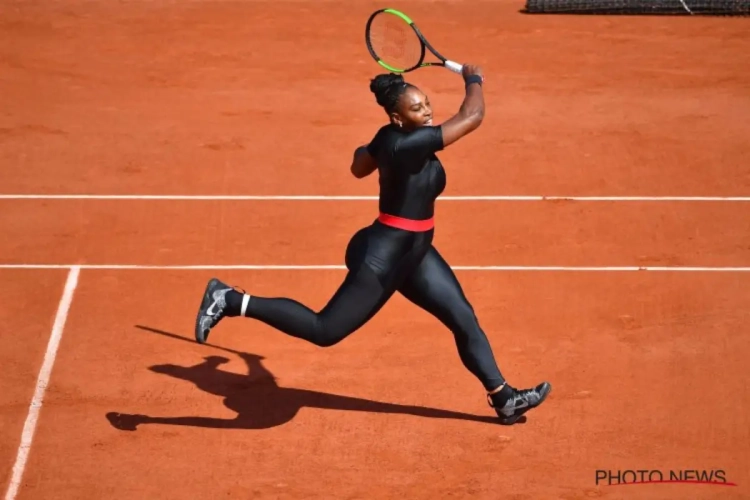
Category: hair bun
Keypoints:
(383, 84)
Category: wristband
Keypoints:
(474, 79)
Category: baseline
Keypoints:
(167, 197)
(327, 267)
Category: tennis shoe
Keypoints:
(519, 402)
(212, 309)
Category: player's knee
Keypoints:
(329, 335)
(328, 341)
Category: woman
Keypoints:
(395, 253)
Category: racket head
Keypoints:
(393, 41)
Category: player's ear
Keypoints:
(397, 120)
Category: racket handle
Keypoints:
(454, 66)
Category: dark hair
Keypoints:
(388, 89)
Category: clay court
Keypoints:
(228, 129)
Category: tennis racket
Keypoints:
(395, 42)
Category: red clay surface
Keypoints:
(243, 98)
(316, 233)
(214, 97)
(29, 303)
(633, 361)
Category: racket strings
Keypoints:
(395, 42)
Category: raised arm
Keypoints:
(471, 112)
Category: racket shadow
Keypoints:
(257, 399)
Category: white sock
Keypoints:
(245, 302)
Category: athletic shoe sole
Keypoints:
(200, 336)
(544, 392)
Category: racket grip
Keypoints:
(454, 66)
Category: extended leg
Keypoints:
(358, 298)
(433, 287)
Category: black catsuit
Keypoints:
(382, 260)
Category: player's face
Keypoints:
(414, 109)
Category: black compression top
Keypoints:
(411, 175)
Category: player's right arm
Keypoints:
(470, 114)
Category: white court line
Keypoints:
(359, 198)
(32, 417)
(325, 267)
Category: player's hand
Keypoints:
(471, 69)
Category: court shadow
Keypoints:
(259, 402)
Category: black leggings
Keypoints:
(381, 261)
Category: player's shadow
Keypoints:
(259, 402)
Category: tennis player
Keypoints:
(394, 253)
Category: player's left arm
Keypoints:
(363, 163)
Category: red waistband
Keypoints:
(407, 224)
